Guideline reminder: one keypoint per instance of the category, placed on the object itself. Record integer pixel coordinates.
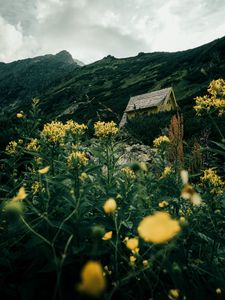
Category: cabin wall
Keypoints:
(169, 105)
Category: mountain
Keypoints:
(21, 80)
(110, 82)
(67, 89)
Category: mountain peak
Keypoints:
(64, 56)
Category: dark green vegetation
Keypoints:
(102, 89)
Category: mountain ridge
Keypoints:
(104, 87)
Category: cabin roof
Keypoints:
(147, 100)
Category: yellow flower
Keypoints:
(128, 172)
(77, 158)
(33, 145)
(218, 291)
(74, 127)
(107, 236)
(21, 195)
(158, 228)
(143, 166)
(19, 115)
(215, 181)
(184, 176)
(110, 206)
(104, 129)
(189, 193)
(54, 131)
(174, 294)
(182, 220)
(214, 101)
(11, 148)
(83, 176)
(132, 243)
(132, 259)
(161, 139)
(93, 282)
(14, 206)
(163, 204)
(36, 187)
(44, 170)
(145, 263)
(167, 170)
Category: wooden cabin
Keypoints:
(149, 103)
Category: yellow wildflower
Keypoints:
(189, 193)
(128, 172)
(132, 259)
(174, 294)
(77, 158)
(218, 291)
(132, 243)
(54, 131)
(21, 195)
(36, 187)
(44, 170)
(216, 182)
(93, 282)
(33, 145)
(83, 176)
(215, 100)
(184, 176)
(161, 139)
(107, 236)
(14, 206)
(110, 206)
(163, 204)
(74, 127)
(182, 220)
(11, 148)
(19, 115)
(104, 129)
(167, 170)
(158, 228)
(143, 166)
(145, 263)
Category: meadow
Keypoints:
(76, 224)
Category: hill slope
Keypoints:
(104, 87)
(110, 82)
(21, 80)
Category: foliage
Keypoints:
(75, 224)
(147, 128)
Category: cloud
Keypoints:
(91, 29)
(13, 43)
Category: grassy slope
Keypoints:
(110, 82)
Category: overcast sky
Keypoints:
(92, 29)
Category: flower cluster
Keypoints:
(216, 182)
(36, 187)
(215, 100)
(54, 131)
(161, 139)
(74, 127)
(188, 192)
(128, 172)
(104, 129)
(77, 158)
(33, 145)
(11, 148)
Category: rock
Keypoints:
(135, 152)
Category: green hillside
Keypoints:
(102, 89)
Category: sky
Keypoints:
(93, 29)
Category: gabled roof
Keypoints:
(147, 100)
